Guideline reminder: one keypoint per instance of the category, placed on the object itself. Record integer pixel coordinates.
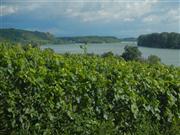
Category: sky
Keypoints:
(120, 18)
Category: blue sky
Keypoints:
(121, 18)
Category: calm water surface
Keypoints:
(168, 56)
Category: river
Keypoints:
(168, 56)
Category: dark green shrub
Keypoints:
(153, 59)
(108, 54)
(131, 53)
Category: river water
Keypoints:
(168, 56)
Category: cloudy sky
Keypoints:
(121, 18)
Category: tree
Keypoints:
(153, 59)
(84, 48)
(160, 40)
(131, 53)
(108, 54)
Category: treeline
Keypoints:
(90, 39)
(132, 53)
(130, 39)
(42, 92)
(160, 40)
(35, 37)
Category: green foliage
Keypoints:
(108, 54)
(131, 53)
(153, 59)
(42, 92)
(160, 40)
(38, 38)
(25, 37)
(92, 39)
(130, 39)
(84, 48)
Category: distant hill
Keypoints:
(132, 39)
(26, 37)
(89, 39)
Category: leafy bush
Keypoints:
(42, 92)
(153, 59)
(108, 54)
(131, 53)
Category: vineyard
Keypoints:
(42, 92)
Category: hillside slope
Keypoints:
(26, 37)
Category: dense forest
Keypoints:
(35, 37)
(160, 40)
(44, 93)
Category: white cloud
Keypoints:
(95, 11)
(170, 16)
(89, 11)
(110, 10)
(152, 19)
(12, 8)
(174, 15)
(6, 10)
